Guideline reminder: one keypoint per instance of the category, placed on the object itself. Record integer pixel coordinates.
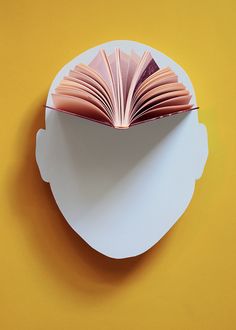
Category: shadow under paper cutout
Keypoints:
(65, 256)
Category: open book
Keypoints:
(121, 90)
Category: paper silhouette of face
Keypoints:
(122, 190)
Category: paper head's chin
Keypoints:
(122, 190)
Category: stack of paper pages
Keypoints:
(121, 90)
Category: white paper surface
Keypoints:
(122, 190)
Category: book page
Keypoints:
(112, 59)
(149, 70)
(92, 85)
(154, 97)
(159, 93)
(124, 68)
(134, 60)
(102, 65)
(145, 60)
(160, 77)
(162, 89)
(178, 103)
(80, 93)
(73, 87)
(162, 112)
(79, 107)
(120, 92)
(84, 73)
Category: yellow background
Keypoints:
(49, 278)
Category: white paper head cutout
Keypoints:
(122, 190)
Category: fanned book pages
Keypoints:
(121, 90)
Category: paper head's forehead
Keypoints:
(126, 46)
